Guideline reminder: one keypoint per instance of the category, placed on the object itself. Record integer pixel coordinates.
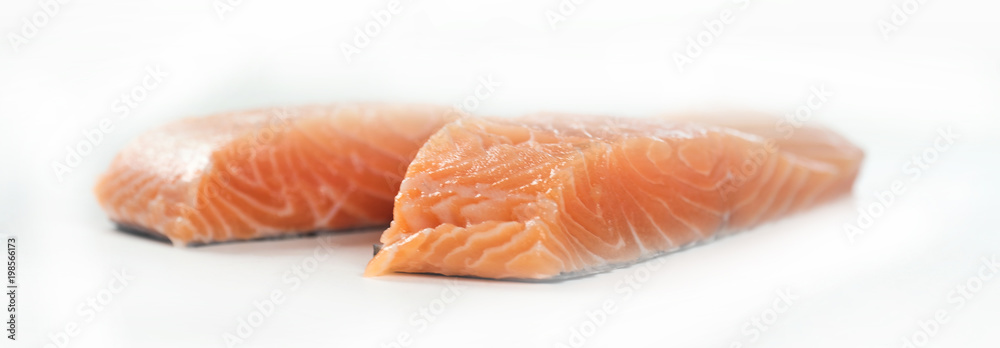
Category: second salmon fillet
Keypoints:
(561, 196)
(266, 173)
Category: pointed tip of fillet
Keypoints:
(391, 257)
(379, 264)
(376, 267)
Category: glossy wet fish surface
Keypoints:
(554, 196)
(267, 173)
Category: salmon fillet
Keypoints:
(558, 196)
(267, 173)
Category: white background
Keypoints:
(940, 69)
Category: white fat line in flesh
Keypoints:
(681, 180)
(306, 193)
(632, 167)
(568, 250)
(698, 204)
(620, 243)
(155, 207)
(184, 219)
(569, 217)
(800, 193)
(352, 188)
(375, 193)
(339, 134)
(115, 201)
(261, 228)
(240, 214)
(431, 186)
(125, 177)
(210, 206)
(179, 224)
(337, 205)
(452, 233)
(815, 165)
(571, 187)
(818, 190)
(697, 231)
(724, 223)
(393, 247)
(369, 144)
(718, 187)
(190, 215)
(443, 212)
(135, 193)
(520, 235)
(531, 137)
(803, 178)
(357, 163)
(587, 178)
(759, 180)
(749, 137)
(575, 253)
(635, 236)
(571, 257)
(475, 237)
(226, 185)
(257, 179)
(536, 247)
(756, 182)
(576, 247)
(776, 184)
(649, 217)
(687, 163)
(672, 133)
(261, 182)
(506, 167)
(717, 213)
(635, 170)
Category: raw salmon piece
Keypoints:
(267, 173)
(561, 196)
